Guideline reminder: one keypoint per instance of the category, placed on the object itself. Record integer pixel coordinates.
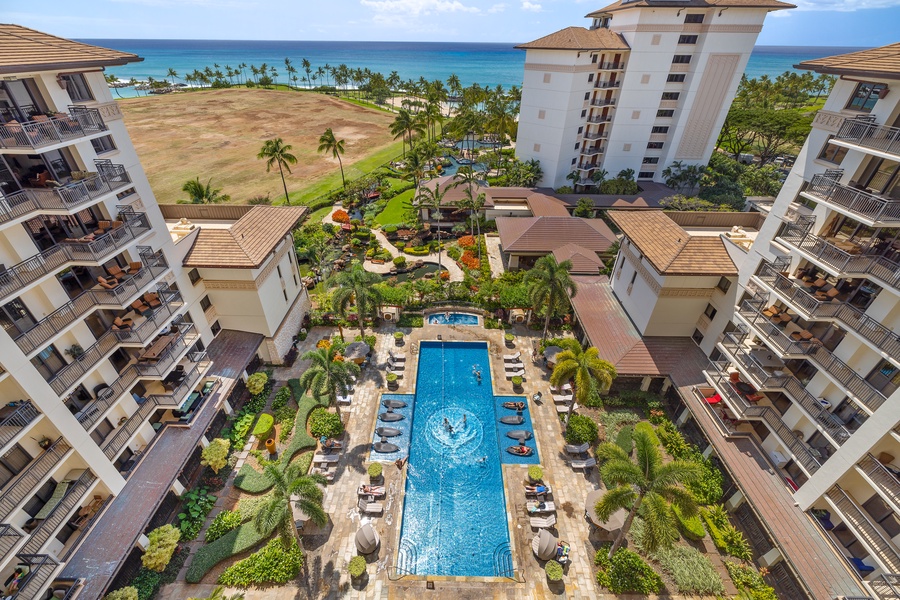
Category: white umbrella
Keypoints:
(544, 545)
(550, 353)
(616, 520)
(356, 350)
(367, 539)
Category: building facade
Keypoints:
(649, 83)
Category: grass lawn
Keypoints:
(393, 213)
(317, 215)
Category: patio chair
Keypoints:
(535, 507)
(107, 284)
(102, 227)
(365, 506)
(122, 324)
(134, 267)
(562, 409)
(519, 373)
(512, 357)
(326, 458)
(151, 299)
(860, 566)
(139, 307)
(514, 366)
(117, 272)
(566, 387)
(572, 449)
(583, 464)
(373, 490)
(558, 399)
(543, 522)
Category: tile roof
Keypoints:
(545, 234)
(625, 4)
(24, 49)
(542, 205)
(875, 62)
(452, 193)
(583, 260)
(247, 243)
(578, 38)
(669, 248)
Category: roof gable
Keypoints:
(875, 62)
(24, 49)
(545, 234)
(578, 38)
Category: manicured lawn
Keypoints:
(317, 215)
(395, 210)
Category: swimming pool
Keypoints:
(454, 510)
(453, 318)
(403, 426)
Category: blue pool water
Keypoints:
(454, 511)
(455, 165)
(454, 318)
(504, 441)
(405, 427)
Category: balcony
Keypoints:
(154, 265)
(68, 198)
(881, 479)
(24, 484)
(867, 134)
(14, 419)
(41, 569)
(596, 136)
(611, 66)
(864, 206)
(98, 250)
(607, 85)
(881, 549)
(851, 382)
(592, 151)
(69, 375)
(599, 119)
(603, 102)
(60, 513)
(851, 318)
(62, 128)
(9, 537)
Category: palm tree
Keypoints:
(551, 286)
(173, 74)
(585, 370)
(276, 152)
(415, 167)
(329, 375)
(287, 483)
(328, 143)
(405, 125)
(432, 199)
(645, 481)
(219, 594)
(203, 194)
(357, 286)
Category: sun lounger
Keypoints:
(373, 490)
(59, 493)
(399, 373)
(567, 387)
(325, 472)
(345, 399)
(584, 464)
(326, 458)
(519, 373)
(396, 357)
(546, 492)
(562, 398)
(514, 366)
(543, 522)
(536, 508)
(512, 357)
(571, 449)
(562, 409)
(399, 366)
(370, 507)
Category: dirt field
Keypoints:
(217, 134)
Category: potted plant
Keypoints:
(356, 567)
(398, 338)
(44, 443)
(554, 571)
(517, 383)
(375, 470)
(75, 351)
(510, 340)
(391, 379)
(535, 473)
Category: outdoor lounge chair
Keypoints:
(396, 365)
(514, 366)
(374, 490)
(117, 272)
(370, 507)
(108, 284)
(860, 566)
(326, 458)
(59, 492)
(572, 449)
(398, 373)
(396, 357)
(584, 464)
(562, 409)
(519, 373)
(562, 398)
(120, 324)
(134, 267)
(546, 492)
(566, 387)
(534, 507)
(325, 472)
(543, 522)
(512, 357)
(348, 399)
(151, 299)
(139, 307)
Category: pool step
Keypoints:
(407, 556)
(502, 561)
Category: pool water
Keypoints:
(454, 318)
(504, 441)
(454, 510)
(455, 164)
(404, 425)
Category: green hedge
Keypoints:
(624, 439)
(690, 527)
(272, 564)
(236, 541)
(263, 425)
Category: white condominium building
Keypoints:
(649, 83)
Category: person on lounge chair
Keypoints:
(520, 406)
(522, 450)
(537, 489)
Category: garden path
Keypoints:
(495, 255)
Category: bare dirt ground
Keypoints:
(217, 134)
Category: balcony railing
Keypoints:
(69, 197)
(610, 66)
(593, 151)
(810, 308)
(596, 136)
(74, 310)
(870, 534)
(871, 135)
(20, 418)
(600, 119)
(41, 568)
(59, 514)
(603, 102)
(9, 537)
(869, 207)
(837, 370)
(56, 257)
(605, 85)
(79, 122)
(23, 485)
(69, 375)
(886, 587)
(884, 480)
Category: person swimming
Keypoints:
(464, 420)
(482, 459)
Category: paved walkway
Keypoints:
(495, 255)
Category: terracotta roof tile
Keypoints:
(24, 49)
(247, 243)
(542, 205)
(623, 5)
(584, 261)
(876, 62)
(545, 234)
(578, 38)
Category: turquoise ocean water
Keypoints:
(487, 64)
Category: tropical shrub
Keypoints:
(454, 252)
(399, 261)
(125, 593)
(263, 425)
(282, 397)
(223, 522)
(564, 189)
(707, 489)
(690, 527)
(692, 572)
(624, 439)
(648, 430)
(748, 580)
(235, 542)
(581, 430)
(356, 566)
(725, 536)
(240, 428)
(470, 261)
(163, 541)
(516, 380)
(197, 504)
(256, 383)
(146, 582)
(215, 456)
(375, 470)
(340, 216)
(466, 241)
(391, 377)
(272, 564)
(398, 335)
(535, 473)
(322, 422)
(564, 343)
(554, 570)
(626, 572)
(285, 417)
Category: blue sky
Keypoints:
(814, 23)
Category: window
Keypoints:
(103, 144)
(125, 193)
(865, 96)
(285, 295)
(215, 328)
(666, 112)
(831, 153)
(194, 276)
(546, 77)
(650, 160)
(584, 112)
(633, 278)
(205, 303)
(295, 275)
(697, 336)
(12, 463)
(660, 129)
(655, 145)
(645, 175)
(724, 284)
(590, 77)
(77, 86)
(103, 429)
(675, 78)
(710, 311)
(587, 95)
(573, 161)
(278, 268)
(577, 144)
(593, 59)
(693, 18)
(15, 317)
(671, 95)
(580, 129)
(681, 59)
(687, 39)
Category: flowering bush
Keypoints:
(340, 216)
(445, 275)
(466, 241)
(469, 261)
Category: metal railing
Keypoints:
(79, 122)
(58, 256)
(859, 202)
(605, 85)
(606, 119)
(602, 102)
(867, 532)
(593, 151)
(20, 418)
(596, 136)
(870, 135)
(41, 568)
(871, 330)
(610, 66)
(60, 513)
(883, 479)
(886, 587)
(24, 483)
(74, 310)
(9, 537)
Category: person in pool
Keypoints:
(482, 459)
(464, 420)
(447, 316)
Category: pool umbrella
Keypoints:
(615, 522)
(544, 545)
(550, 353)
(357, 351)
(367, 539)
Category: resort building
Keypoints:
(649, 83)
(120, 345)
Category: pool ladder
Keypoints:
(407, 559)
(503, 563)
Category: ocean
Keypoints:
(487, 64)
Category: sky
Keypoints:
(813, 23)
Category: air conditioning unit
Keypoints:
(388, 316)
(778, 458)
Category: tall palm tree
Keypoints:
(645, 481)
(551, 286)
(203, 194)
(432, 199)
(584, 369)
(328, 143)
(276, 513)
(415, 167)
(329, 375)
(276, 152)
(406, 125)
(173, 74)
(357, 286)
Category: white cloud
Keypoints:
(531, 6)
(497, 8)
(418, 7)
(843, 5)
